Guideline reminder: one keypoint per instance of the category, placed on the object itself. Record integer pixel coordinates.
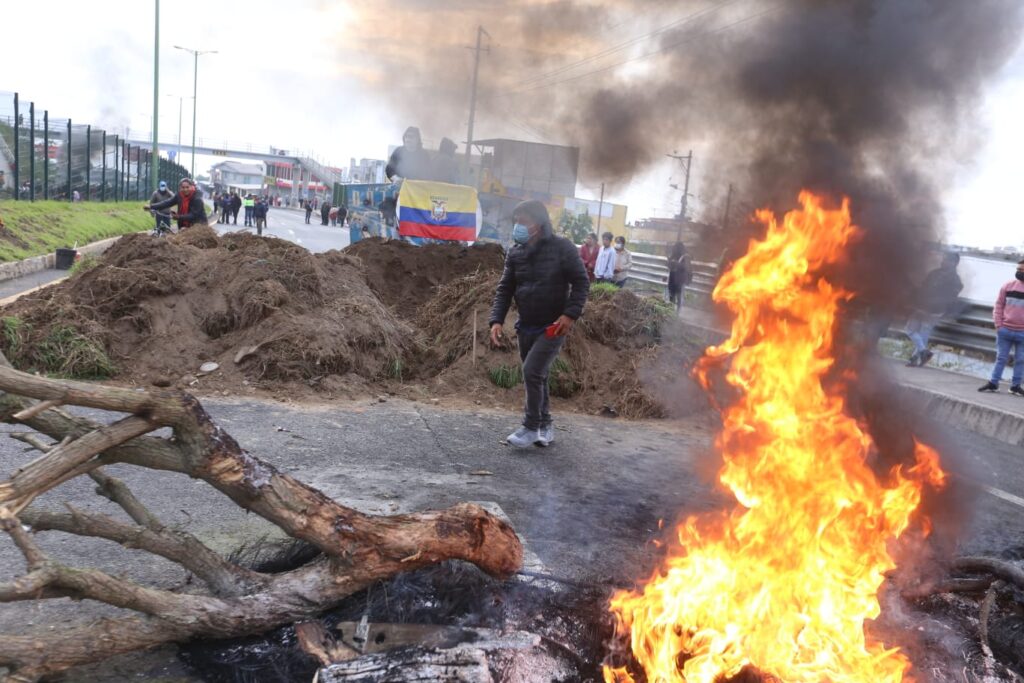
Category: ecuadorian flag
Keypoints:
(437, 211)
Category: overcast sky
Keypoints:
(298, 75)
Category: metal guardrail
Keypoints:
(970, 330)
(653, 270)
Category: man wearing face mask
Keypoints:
(548, 281)
(1008, 316)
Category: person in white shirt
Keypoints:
(604, 269)
(623, 262)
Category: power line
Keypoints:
(622, 46)
(720, 29)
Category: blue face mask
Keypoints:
(520, 233)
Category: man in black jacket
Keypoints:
(189, 200)
(236, 205)
(547, 279)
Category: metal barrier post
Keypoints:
(17, 149)
(32, 151)
(138, 173)
(116, 167)
(103, 177)
(46, 154)
(67, 156)
(88, 166)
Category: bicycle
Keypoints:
(163, 225)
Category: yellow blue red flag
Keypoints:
(437, 210)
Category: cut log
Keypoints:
(412, 666)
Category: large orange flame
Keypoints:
(785, 581)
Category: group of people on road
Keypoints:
(611, 262)
(227, 206)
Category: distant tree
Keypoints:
(576, 228)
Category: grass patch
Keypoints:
(87, 262)
(657, 312)
(506, 376)
(11, 330)
(561, 381)
(395, 369)
(35, 228)
(602, 290)
(66, 353)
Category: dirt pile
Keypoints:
(402, 273)
(378, 316)
(620, 338)
(160, 308)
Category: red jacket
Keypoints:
(589, 256)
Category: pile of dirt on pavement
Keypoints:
(377, 317)
(161, 307)
(402, 274)
(620, 338)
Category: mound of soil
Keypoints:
(160, 308)
(401, 273)
(624, 356)
(378, 316)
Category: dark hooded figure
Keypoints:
(546, 277)
(409, 161)
(445, 168)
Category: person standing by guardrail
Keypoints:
(1008, 317)
(588, 252)
(623, 262)
(680, 273)
(935, 298)
(604, 267)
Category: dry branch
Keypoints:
(358, 549)
(1002, 569)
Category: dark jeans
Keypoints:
(1007, 340)
(248, 215)
(234, 212)
(538, 352)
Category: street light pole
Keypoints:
(195, 91)
(156, 96)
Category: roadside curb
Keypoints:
(13, 269)
(936, 405)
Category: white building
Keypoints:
(234, 175)
(366, 171)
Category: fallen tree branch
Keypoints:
(1002, 569)
(223, 577)
(32, 411)
(358, 549)
(45, 472)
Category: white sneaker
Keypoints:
(545, 436)
(523, 437)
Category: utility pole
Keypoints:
(728, 205)
(600, 210)
(686, 190)
(156, 94)
(480, 33)
(195, 90)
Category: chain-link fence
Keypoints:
(50, 158)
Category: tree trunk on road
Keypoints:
(358, 549)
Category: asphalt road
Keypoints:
(290, 224)
(588, 507)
